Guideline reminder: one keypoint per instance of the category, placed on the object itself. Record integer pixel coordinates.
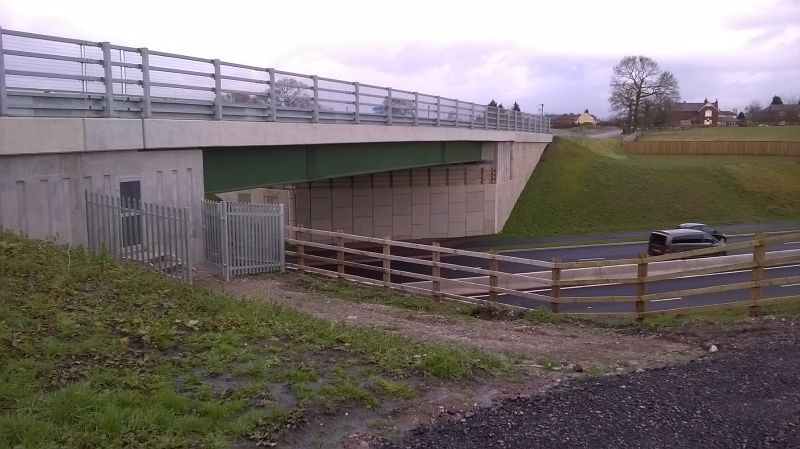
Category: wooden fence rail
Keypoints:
(332, 260)
(757, 148)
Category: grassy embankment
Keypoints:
(95, 353)
(758, 133)
(585, 185)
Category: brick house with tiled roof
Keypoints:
(695, 114)
(778, 114)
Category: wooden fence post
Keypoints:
(493, 266)
(387, 263)
(301, 251)
(641, 286)
(339, 256)
(759, 257)
(555, 291)
(436, 272)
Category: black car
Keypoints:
(714, 232)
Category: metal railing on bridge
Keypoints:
(48, 76)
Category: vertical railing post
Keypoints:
(108, 80)
(436, 271)
(217, 90)
(315, 110)
(438, 110)
(389, 106)
(225, 246)
(147, 102)
(759, 257)
(301, 249)
(486, 117)
(555, 289)
(282, 236)
(339, 256)
(416, 108)
(3, 95)
(387, 262)
(641, 286)
(187, 245)
(357, 98)
(273, 96)
(493, 267)
(458, 113)
(472, 115)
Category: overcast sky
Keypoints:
(559, 53)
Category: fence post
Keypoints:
(438, 110)
(3, 95)
(273, 100)
(436, 271)
(108, 79)
(416, 108)
(387, 263)
(282, 244)
(458, 113)
(147, 106)
(301, 250)
(555, 289)
(226, 249)
(493, 267)
(339, 256)
(357, 99)
(472, 116)
(389, 106)
(759, 257)
(641, 285)
(217, 89)
(315, 110)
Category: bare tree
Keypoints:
(753, 107)
(638, 81)
(288, 93)
(400, 107)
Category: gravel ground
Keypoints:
(748, 399)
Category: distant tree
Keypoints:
(493, 103)
(288, 93)
(639, 83)
(500, 106)
(400, 107)
(740, 116)
(516, 107)
(752, 108)
(776, 100)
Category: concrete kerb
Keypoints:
(542, 279)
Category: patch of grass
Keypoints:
(720, 316)
(98, 353)
(763, 133)
(394, 388)
(590, 185)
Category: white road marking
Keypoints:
(666, 299)
(790, 285)
(791, 243)
(591, 258)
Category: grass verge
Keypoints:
(590, 185)
(97, 353)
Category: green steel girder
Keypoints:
(227, 169)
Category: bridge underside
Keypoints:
(228, 169)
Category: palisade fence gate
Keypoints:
(150, 234)
(243, 238)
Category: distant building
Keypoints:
(777, 114)
(695, 114)
(586, 119)
(727, 118)
(565, 121)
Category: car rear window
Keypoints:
(658, 239)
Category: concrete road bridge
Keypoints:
(376, 161)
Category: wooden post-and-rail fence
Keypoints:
(326, 253)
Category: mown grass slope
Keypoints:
(584, 185)
(99, 354)
(762, 133)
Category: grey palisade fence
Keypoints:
(243, 238)
(153, 235)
